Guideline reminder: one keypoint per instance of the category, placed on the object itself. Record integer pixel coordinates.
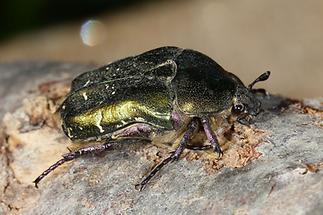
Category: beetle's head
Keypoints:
(245, 103)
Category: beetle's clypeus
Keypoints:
(161, 90)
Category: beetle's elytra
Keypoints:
(161, 90)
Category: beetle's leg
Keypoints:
(137, 130)
(204, 147)
(71, 156)
(243, 121)
(174, 156)
(211, 136)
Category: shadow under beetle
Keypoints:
(161, 90)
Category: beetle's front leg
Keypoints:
(211, 136)
(174, 156)
(73, 155)
(243, 121)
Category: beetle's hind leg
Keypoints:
(174, 156)
(73, 155)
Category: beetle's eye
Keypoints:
(239, 108)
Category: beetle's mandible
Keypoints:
(161, 90)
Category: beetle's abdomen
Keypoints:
(100, 109)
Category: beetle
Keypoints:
(144, 96)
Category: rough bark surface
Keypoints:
(273, 167)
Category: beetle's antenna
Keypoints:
(262, 77)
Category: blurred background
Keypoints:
(245, 37)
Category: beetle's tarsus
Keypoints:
(153, 172)
(47, 171)
(174, 156)
(203, 147)
(207, 147)
(71, 156)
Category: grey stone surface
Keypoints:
(285, 179)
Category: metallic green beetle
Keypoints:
(161, 90)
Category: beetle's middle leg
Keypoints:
(203, 147)
(73, 155)
(193, 125)
(210, 135)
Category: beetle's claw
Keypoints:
(140, 186)
(218, 150)
(220, 154)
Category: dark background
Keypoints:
(25, 15)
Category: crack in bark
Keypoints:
(10, 175)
